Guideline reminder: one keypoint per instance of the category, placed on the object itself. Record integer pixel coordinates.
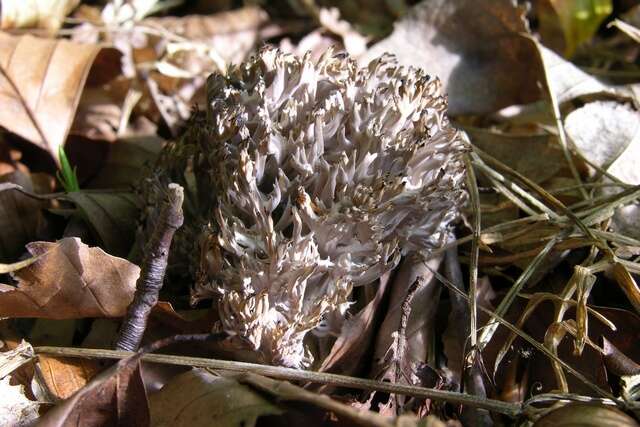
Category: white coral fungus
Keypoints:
(324, 175)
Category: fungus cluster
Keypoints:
(304, 179)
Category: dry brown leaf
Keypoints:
(198, 399)
(64, 376)
(355, 337)
(45, 14)
(474, 47)
(115, 397)
(21, 218)
(69, 280)
(40, 85)
(583, 414)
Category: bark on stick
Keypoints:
(154, 265)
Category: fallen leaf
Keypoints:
(127, 161)
(474, 47)
(607, 133)
(40, 85)
(200, 399)
(66, 280)
(115, 397)
(355, 336)
(398, 360)
(354, 42)
(46, 14)
(616, 362)
(582, 414)
(374, 17)
(22, 219)
(15, 358)
(112, 214)
(325, 407)
(536, 156)
(64, 376)
(16, 410)
(98, 115)
(565, 81)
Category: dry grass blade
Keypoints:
(492, 326)
(473, 265)
(531, 341)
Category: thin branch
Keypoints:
(506, 408)
(154, 265)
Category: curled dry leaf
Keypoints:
(115, 397)
(40, 85)
(45, 14)
(473, 46)
(200, 399)
(67, 280)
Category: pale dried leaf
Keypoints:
(70, 280)
(566, 81)
(474, 47)
(13, 359)
(46, 14)
(40, 85)
(16, 410)
(354, 42)
(607, 133)
(201, 44)
(200, 399)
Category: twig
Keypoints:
(154, 265)
(510, 409)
